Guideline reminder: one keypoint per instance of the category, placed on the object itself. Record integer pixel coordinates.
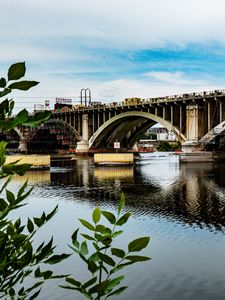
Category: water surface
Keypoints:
(181, 207)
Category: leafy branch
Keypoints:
(19, 259)
(106, 260)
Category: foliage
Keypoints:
(19, 260)
(166, 146)
(7, 121)
(106, 260)
(23, 266)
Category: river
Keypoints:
(180, 206)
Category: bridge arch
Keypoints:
(68, 127)
(126, 121)
(51, 136)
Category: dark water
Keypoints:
(181, 207)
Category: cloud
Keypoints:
(117, 48)
(117, 23)
(175, 78)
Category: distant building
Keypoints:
(161, 133)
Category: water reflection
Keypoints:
(180, 206)
(189, 193)
(102, 173)
(34, 177)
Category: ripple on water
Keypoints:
(181, 207)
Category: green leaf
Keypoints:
(30, 225)
(87, 224)
(106, 241)
(96, 216)
(123, 219)
(11, 106)
(138, 244)
(20, 118)
(56, 258)
(38, 118)
(113, 282)
(94, 257)
(118, 252)
(22, 189)
(16, 71)
(88, 237)
(92, 267)
(38, 221)
(117, 233)
(69, 287)
(10, 197)
(109, 216)
(2, 82)
(3, 204)
(107, 259)
(122, 202)
(22, 85)
(74, 235)
(101, 228)
(5, 184)
(118, 291)
(2, 152)
(137, 258)
(74, 249)
(89, 282)
(73, 281)
(11, 168)
(11, 292)
(34, 296)
(52, 213)
(121, 266)
(5, 92)
(37, 272)
(98, 288)
(84, 248)
(37, 284)
(45, 251)
(47, 274)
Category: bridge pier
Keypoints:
(83, 146)
(192, 129)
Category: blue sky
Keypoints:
(117, 48)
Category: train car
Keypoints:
(132, 101)
(78, 106)
(95, 104)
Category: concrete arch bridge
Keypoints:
(196, 118)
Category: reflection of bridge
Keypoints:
(192, 117)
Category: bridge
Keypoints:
(197, 119)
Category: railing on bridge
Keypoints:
(144, 101)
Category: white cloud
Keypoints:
(117, 23)
(175, 78)
(60, 41)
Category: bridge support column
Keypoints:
(83, 145)
(192, 129)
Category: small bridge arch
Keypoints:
(51, 136)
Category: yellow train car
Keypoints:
(132, 101)
(78, 106)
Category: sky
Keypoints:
(116, 48)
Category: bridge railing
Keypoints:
(143, 101)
